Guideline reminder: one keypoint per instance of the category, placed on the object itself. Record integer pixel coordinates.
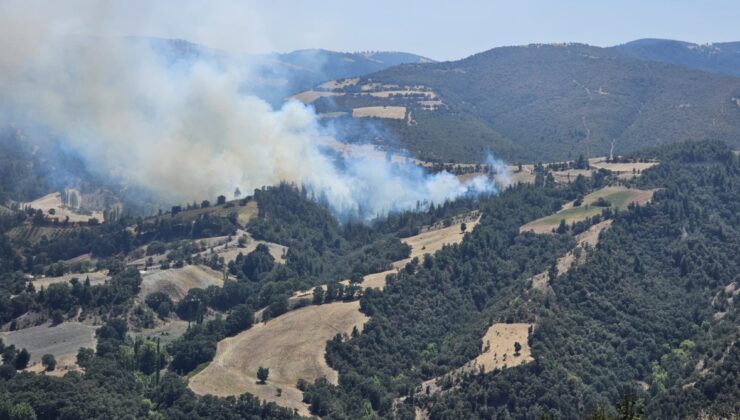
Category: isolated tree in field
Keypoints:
(49, 362)
(221, 200)
(262, 374)
(463, 227)
(237, 193)
(21, 361)
(517, 348)
(205, 204)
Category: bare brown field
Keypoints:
(619, 197)
(391, 112)
(590, 237)
(176, 282)
(62, 341)
(96, 277)
(309, 96)
(54, 201)
(292, 346)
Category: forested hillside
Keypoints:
(719, 57)
(649, 314)
(546, 102)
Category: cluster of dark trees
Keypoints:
(62, 300)
(647, 307)
(321, 251)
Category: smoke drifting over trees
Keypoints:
(186, 129)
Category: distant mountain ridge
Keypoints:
(721, 57)
(283, 74)
(544, 102)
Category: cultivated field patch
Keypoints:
(63, 341)
(391, 112)
(292, 346)
(619, 197)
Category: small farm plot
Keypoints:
(62, 340)
(613, 197)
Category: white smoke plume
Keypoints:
(190, 132)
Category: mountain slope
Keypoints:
(722, 58)
(282, 74)
(549, 102)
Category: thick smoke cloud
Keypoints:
(189, 131)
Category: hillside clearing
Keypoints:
(619, 197)
(96, 277)
(63, 341)
(292, 346)
(175, 282)
(53, 201)
(497, 352)
(339, 84)
(432, 241)
(590, 237)
(310, 96)
(391, 112)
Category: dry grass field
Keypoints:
(619, 197)
(432, 241)
(339, 84)
(309, 96)
(620, 168)
(391, 112)
(63, 341)
(96, 277)
(498, 347)
(54, 201)
(176, 282)
(292, 346)
(590, 237)
(497, 352)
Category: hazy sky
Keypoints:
(441, 30)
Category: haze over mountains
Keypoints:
(550, 102)
(720, 57)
